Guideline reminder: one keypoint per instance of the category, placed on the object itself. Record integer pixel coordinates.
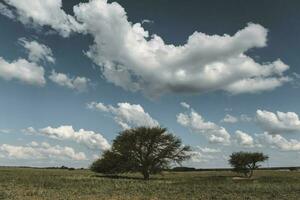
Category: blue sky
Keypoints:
(71, 79)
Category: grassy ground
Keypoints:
(25, 184)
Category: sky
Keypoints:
(223, 77)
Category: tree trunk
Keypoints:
(251, 173)
(146, 175)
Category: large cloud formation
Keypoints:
(196, 123)
(125, 114)
(131, 58)
(90, 139)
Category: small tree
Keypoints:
(246, 162)
(143, 149)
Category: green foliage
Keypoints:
(143, 149)
(246, 162)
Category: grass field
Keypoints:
(54, 184)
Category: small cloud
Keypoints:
(22, 70)
(125, 114)
(90, 139)
(5, 131)
(79, 84)
(245, 118)
(230, 119)
(36, 51)
(244, 139)
(208, 150)
(185, 105)
(147, 21)
(196, 123)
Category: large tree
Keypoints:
(144, 149)
(246, 162)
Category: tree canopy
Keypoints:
(144, 149)
(246, 162)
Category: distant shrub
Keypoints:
(293, 168)
(246, 162)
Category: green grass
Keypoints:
(25, 184)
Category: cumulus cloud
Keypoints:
(45, 13)
(37, 51)
(131, 58)
(90, 139)
(244, 139)
(76, 83)
(230, 119)
(196, 123)
(125, 114)
(279, 122)
(40, 151)
(22, 70)
(279, 142)
(5, 11)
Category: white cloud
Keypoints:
(76, 83)
(45, 13)
(4, 10)
(234, 119)
(5, 131)
(230, 119)
(22, 70)
(185, 105)
(279, 122)
(37, 151)
(36, 51)
(147, 21)
(199, 157)
(203, 155)
(90, 139)
(131, 58)
(196, 123)
(256, 85)
(208, 150)
(280, 142)
(245, 118)
(244, 139)
(33, 144)
(29, 130)
(125, 114)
